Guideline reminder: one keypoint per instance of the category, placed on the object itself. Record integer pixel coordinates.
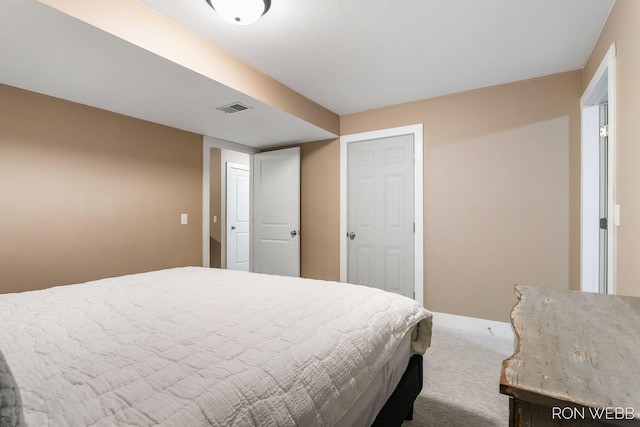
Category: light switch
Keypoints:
(184, 219)
(215, 219)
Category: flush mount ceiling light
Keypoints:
(240, 12)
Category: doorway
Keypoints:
(213, 239)
(214, 223)
(226, 169)
(600, 215)
(385, 140)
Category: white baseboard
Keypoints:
(473, 324)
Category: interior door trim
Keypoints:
(601, 88)
(417, 132)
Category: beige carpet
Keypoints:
(461, 381)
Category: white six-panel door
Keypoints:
(238, 214)
(380, 208)
(276, 212)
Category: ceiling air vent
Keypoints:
(236, 107)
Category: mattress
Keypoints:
(197, 346)
(364, 410)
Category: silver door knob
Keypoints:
(294, 233)
(351, 235)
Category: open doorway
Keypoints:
(600, 215)
(229, 193)
(274, 199)
(217, 153)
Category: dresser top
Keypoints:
(575, 347)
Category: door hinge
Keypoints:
(604, 131)
(604, 224)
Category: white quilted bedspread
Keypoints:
(195, 346)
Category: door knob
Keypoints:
(294, 233)
(351, 235)
(233, 227)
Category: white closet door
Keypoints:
(238, 214)
(381, 214)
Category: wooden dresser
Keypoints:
(577, 361)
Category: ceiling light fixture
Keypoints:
(240, 12)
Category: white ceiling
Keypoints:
(46, 51)
(356, 55)
(347, 55)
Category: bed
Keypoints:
(195, 346)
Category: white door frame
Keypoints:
(417, 132)
(601, 88)
(208, 143)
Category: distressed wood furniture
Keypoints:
(577, 361)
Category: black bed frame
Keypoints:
(399, 406)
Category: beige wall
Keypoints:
(320, 210)
(501, 190)
(88, 194)
(622, 29)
